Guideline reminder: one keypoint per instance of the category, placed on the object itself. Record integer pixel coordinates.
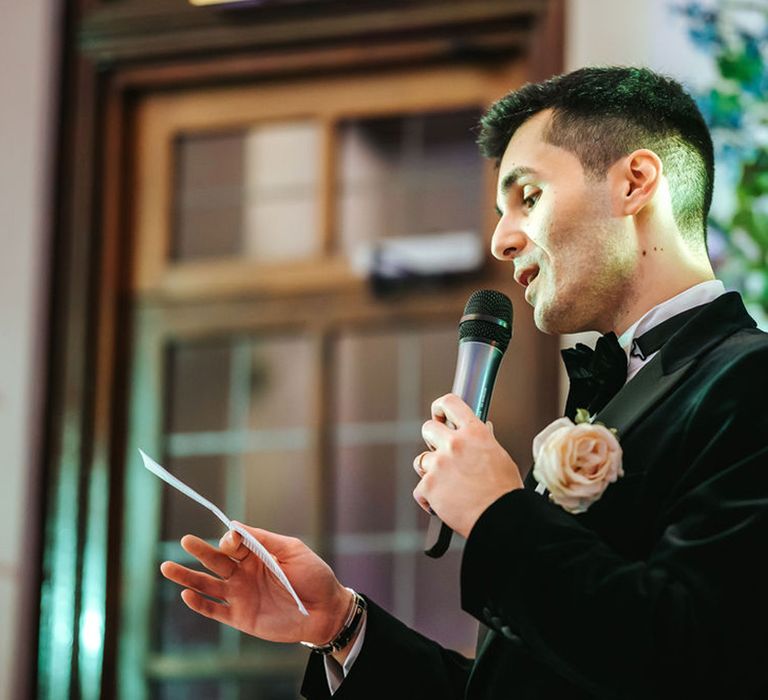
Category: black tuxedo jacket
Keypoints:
(659, 590)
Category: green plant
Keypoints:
(735, 35)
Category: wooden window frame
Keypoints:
(160, 119)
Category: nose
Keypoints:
(508, 240)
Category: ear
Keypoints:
(638, 176)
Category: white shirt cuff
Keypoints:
(335, 673)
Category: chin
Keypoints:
(558, 320)
(545, 322)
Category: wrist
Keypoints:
(341, 655)
(346, 628)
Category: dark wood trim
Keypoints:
(495, 45)
(547, 48)
(70, 408)
(147, 30)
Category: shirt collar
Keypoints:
(699, 294)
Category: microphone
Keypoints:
(485, 330)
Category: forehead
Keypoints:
(526, 143)
(528, 153)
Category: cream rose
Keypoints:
(576, 462)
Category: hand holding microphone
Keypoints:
(467, 466)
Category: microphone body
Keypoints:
(476, 368)
(484, 333)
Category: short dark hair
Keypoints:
(603, 113)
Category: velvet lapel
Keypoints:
(641, 393)
(715, 322)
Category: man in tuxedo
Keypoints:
(658, 589)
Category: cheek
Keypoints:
(540, 227)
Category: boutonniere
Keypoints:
(575, 461)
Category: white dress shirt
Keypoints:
(699, 294)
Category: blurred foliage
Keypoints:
(735, 35)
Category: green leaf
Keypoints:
(582, 416)
(740, 67)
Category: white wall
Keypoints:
(620, 32)
(27, 101)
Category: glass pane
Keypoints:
(181, 515)
(281, 184)
(386, 383)
(282, 382)
(272, 687)
(369, 573)
(278, 494)
(209, 195)
(439, 349)
(408, 175)
(248, 193)
(198, 386)
(178, 628)
(240, 414)
(187, 690)
(366, 371)
(366, 482)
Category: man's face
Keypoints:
(573, 256)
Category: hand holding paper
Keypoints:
(253, 597)
(248, 540)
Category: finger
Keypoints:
(419, 462)
(279, 546)
(210, 557)
(437, 435)
(490, 427)
(451, 409)
(418, 496)
(208, 608)
(198, 580)
(232, 545)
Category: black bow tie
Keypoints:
(597, 375)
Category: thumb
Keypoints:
(490, 427)
(277, 545)
(232, 545)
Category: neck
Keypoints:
(651, 290)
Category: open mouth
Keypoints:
(529, 276)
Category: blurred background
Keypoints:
(240, 236)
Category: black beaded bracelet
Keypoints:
(348, 630)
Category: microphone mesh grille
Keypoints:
(488, 302)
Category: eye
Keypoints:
(530, 195)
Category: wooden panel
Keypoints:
(225, 279)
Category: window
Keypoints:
(265, 372)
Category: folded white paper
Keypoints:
(248, 539)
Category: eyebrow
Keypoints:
(514, 175)
(511, 178)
